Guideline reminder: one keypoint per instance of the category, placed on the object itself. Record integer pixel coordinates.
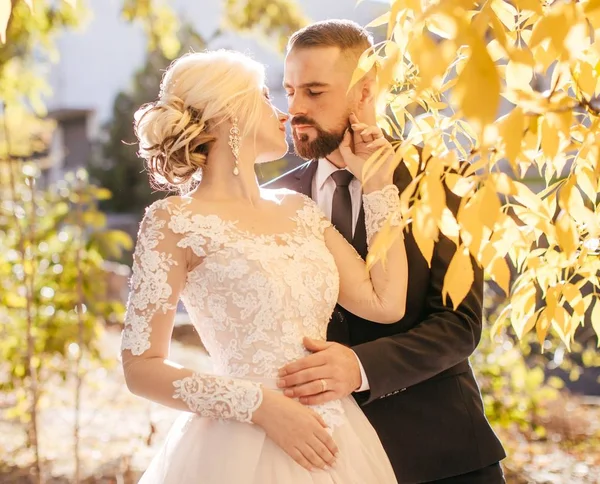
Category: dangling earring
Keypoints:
(234, 144)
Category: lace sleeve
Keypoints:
(381, 206)
(159, 275)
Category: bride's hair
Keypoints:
(198, 92)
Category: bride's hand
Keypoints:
(358, 147)
(297, 429)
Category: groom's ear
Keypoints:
(367, 100)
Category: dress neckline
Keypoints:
(281, 239)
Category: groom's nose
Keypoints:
(295, 106)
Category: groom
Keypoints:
(412, 378)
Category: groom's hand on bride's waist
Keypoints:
(330, 373)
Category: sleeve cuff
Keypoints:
(364, 385)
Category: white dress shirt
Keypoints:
(322, 191)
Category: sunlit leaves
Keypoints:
(6, 7)
(459, 278)
(275, 19)
(477, 91)
(512, 88)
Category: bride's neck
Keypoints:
(219, 181)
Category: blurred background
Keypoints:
(72, 194)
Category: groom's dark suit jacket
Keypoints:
(423, 400)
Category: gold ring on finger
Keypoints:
(324, 385)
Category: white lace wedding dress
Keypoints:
(252, 298)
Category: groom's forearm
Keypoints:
(439, 342)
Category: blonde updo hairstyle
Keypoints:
(198, 92)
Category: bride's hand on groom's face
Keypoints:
(363, 143)
(330, 373)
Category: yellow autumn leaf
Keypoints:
(448, 225)
(424, 221)
(434, 194)
(566, 232)
(386, 74)
(560, 322)
(5, 9)
(424, 243)
(471, 227)
(521, 56)
(529, 5)
(29, 4)
(577, 38)
(500, 321)
(500, 274)
(586, 77)
(587, 180)
(374, 163)
(365, 64)
(490, 206)
(554, 26)
(592, 13)
(512, 128)
(459, 277)
(524, 297)
(425, 53)
(550, 140)
(443, 24)
(498, 46)
(542, 326)
(506, 13)
(502, 183)
(571, 294)
(477, 90)
(395, 8)
(525, 196)
(410, 156)
(561, 121)
(517, 75)
(459, 185)
(526, 325)
(572, 201)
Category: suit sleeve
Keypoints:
(444, 337)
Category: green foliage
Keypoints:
(117, 166)
(160, 24)
(30, 43)
(513, 392)
(276, 19)
(53, 246)
(516, 375)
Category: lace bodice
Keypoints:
(252, 298)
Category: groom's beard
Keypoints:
(325, 142)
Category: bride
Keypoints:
(257, 270)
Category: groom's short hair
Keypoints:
(347, 35)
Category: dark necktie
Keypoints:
(341, 207)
